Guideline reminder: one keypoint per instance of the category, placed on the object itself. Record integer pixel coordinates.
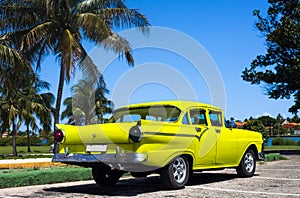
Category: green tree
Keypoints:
(36, 105)
(279, 118)
(279, 130)
(88, 104)
(41, 27)
(19, 99)
(279, 69)
(13, 68)
(10, 108)
(255, 125)
(21, 102)
(295, 118)
(267, 120)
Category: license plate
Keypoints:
(96, 148)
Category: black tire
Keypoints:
(106, 176)
(247, 165)
(176, 174)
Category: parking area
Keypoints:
(272, 179)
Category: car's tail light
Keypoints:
(59, 135)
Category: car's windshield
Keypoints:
(163, 113)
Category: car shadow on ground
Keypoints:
(138, 186)
(207, 178)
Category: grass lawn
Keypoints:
(7, 150)
(27, 177)
(36, 152)
(282, 147)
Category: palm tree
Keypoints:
(88, 105)
(9, 58)
(41, 27)
(10, 111)
(13, 68)
(36, 105)
(19, 87)
(20, 101)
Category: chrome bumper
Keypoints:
(124, 161)
(261, 156)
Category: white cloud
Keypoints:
(264, 114)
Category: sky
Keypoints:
(196, 50)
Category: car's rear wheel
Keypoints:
(176, 174)
(106, 176)
(247, 165)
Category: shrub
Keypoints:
(298, 143)
(289, 142)
(5, 141)
(34, 140)
(21, 141)
(278, 141)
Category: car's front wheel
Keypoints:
(247, 165)
(106, 176)
(176, 174)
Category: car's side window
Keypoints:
(185, 119)
(197, 117)
(215, 118)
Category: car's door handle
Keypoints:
(218, 130)
(198, 129)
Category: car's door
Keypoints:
(206, 144)
(226, 139)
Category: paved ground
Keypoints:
(272, 179)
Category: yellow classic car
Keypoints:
(171, 138)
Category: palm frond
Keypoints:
(36, 34)
(124, 18)
(67, 44)
(90, 71)
(17, 15)
(10, 57)
(93, 5)
(13, 112)
(120, 46)
(94, 26)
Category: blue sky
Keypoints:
(225, 29)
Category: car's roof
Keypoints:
(181, 104)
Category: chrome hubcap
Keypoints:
(179, 170)
(249, 162)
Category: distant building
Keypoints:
(5, 134)
(240, 125)
(292, 125)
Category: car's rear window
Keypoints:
(162, 113)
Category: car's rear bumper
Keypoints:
(124, 161)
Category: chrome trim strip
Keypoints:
(125, 158)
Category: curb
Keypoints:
(283, 152)
(272, 157)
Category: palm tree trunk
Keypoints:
(14, 138)
(59, 94)
(28, 140)
(58, 101)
